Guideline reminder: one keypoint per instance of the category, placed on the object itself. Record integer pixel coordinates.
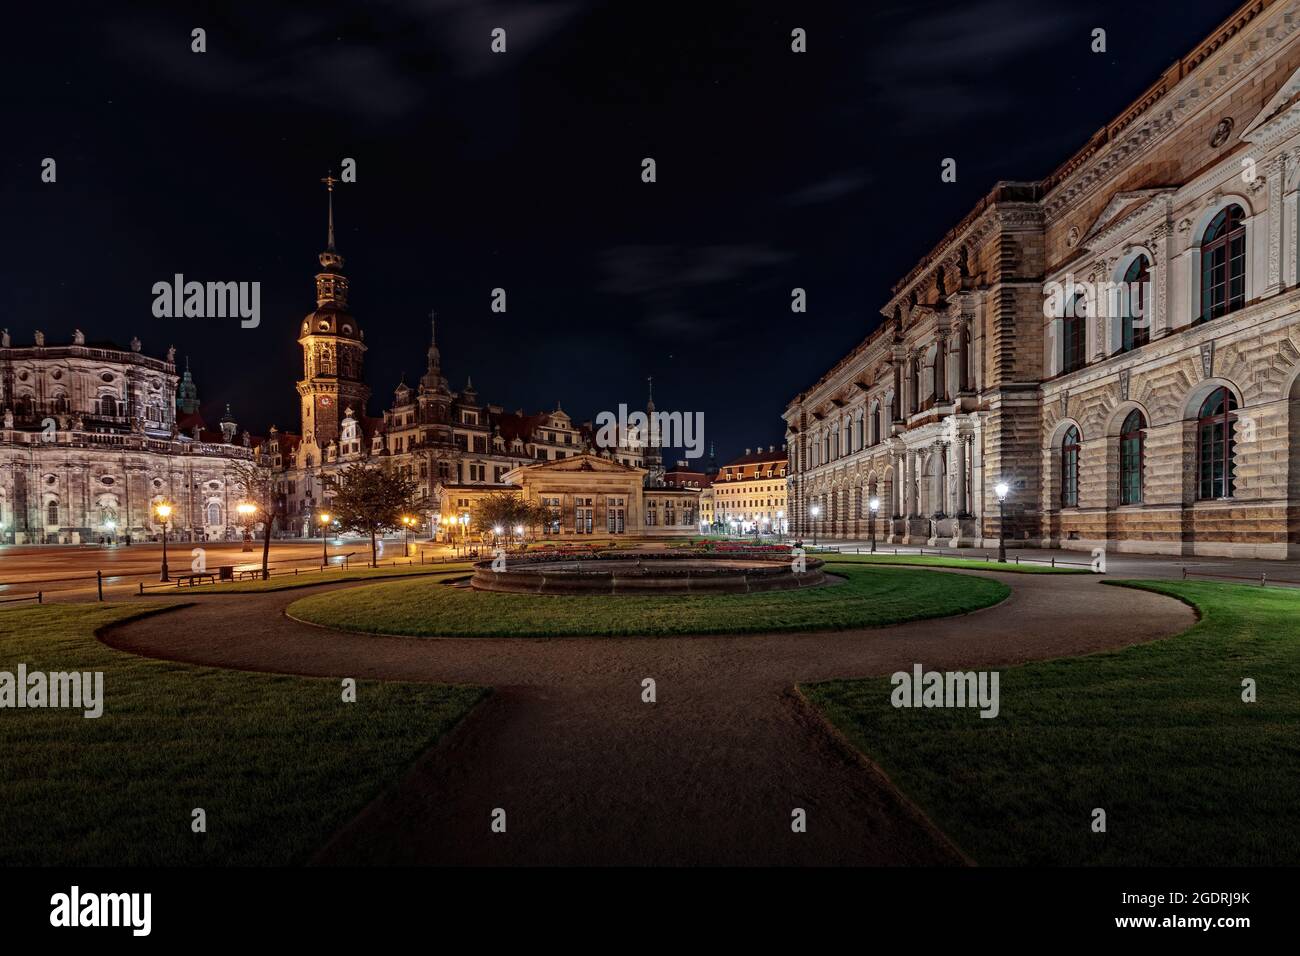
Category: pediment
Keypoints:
(1279, 115)
(1124, 207)
(578, 463)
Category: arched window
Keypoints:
(214, 514)
(874, 424)
(1223, 264)
(107, 405)
(1074, 337)
(52, 513)
(1215, 445)
(1131, 452)
(1070, 468)
(1137, 322)
(860, 439)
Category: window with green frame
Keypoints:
(1070, 468)
(1131, 452)
(1223, 264)
(1215, 445)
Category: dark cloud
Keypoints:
(642, 270)
(827, 190)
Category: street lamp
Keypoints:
(815, 510)
(872, 507)
(519, 533)
(408, 522)
(324, 519)
(496, 530)
(164, 511)
(246, 511)
(1001, 489)
(464, 528)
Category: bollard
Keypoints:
(99, 582)
(1053, 562)
(40, 597)
(1017, 559)
(1263, 579)
(141, 589)
(1184, 572)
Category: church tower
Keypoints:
(332, 349)
(187, 395)
(653, 457)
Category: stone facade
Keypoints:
(589, 496)
(983, 372)
(91, 442)
(750, 491)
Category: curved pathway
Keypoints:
(588, 774)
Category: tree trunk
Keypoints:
(374, 557)
(266, 548)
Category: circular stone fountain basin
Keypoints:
(650, 573)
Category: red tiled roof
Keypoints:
(514, 425)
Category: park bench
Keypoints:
(196, 576)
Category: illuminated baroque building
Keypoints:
(95, 435)
(1167, 421)
(751, 491)
(450, 444)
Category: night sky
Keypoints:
(522, 170)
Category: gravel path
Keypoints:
(589, 774)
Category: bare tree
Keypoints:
(257, 485)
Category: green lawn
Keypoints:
(1157, 735)
(278, 763)
(869, 597)
(285, 582)
(936, 561)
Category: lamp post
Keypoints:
(246, 511)
(519, 533)
(815, 510)
(164, 511)
(780, 526)
(464, 529)
(496, 531)
(1001, 489)
(437, 522)
(408, 522)
(324, 519)
(872, 507)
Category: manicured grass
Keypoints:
(925, 560)
(869, 597)
(286, 582)
(1157, 735)
(278, 763)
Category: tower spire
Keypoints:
(329, 182)
(330, 260)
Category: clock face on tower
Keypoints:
(325, 401)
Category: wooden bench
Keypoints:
(196, 576)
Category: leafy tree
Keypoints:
(507, 510)
(257, 485)
(369, 500)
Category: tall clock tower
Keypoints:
(332, 349)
